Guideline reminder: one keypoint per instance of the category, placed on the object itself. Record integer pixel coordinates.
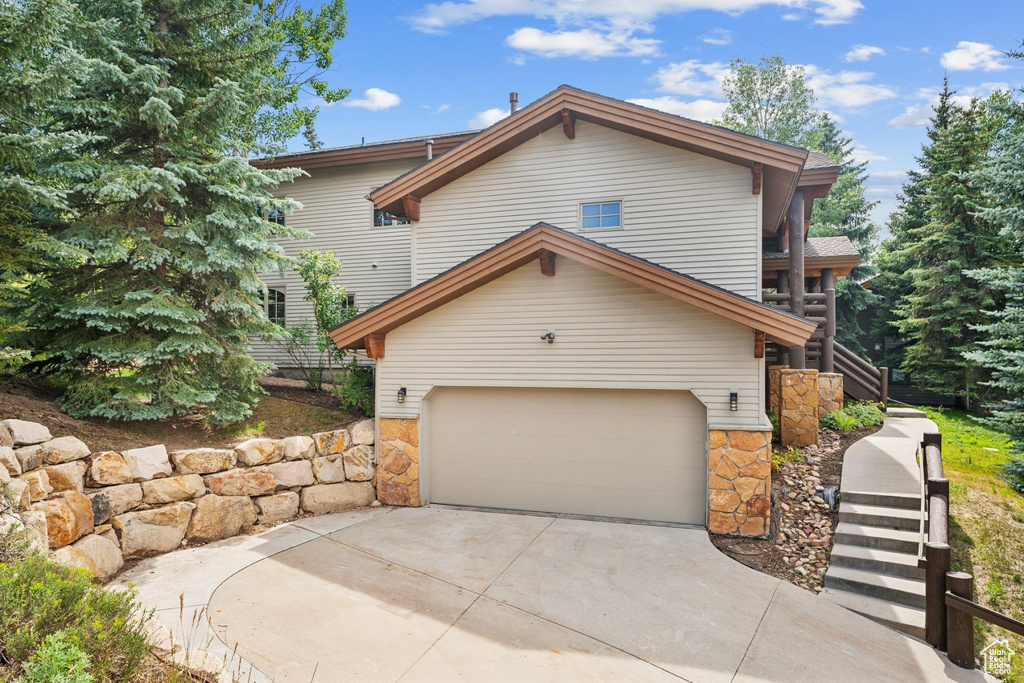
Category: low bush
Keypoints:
(58, 660)
(774, 419)
(781, 457)
(46, 608)
(355, 388)
(853, 416)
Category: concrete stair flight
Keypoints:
(873, 569)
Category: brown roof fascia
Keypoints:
(526, 247)
(546, 113)
(842, 265)
(389, 151)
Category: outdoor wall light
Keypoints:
(734, 400)
(401, 395)
(549, 337)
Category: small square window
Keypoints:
(382, 218)
(601, 215)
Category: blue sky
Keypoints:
(418, 68)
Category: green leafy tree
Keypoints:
(845, 211)
(771, 100)
(941, 312)
(1002, 345)
(151, 312)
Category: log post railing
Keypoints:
(950, 609)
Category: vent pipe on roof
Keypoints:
(430, 149)
(513, 101)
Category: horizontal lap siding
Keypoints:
(681, 210)
(340, 218)
(609, 334)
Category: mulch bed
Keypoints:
(802, 523)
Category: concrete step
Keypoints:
(877, 560)
(896, 540)
(876, 515)
(909, 620)
(903, 501)
(896, 589)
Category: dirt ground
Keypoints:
(287, 410)
(765, 555)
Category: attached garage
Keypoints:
(609, 453)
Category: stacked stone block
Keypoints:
(798, 398)
(95, 510)
(830, 392)
(739, 482)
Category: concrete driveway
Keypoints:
(436, 594)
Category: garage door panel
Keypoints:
(616, 453)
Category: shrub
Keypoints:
(355, 390)
(774, 419)
(58, 660)
(791, 454)
(1013, 473)
(39, 598)
(853, 416)
(839, 420)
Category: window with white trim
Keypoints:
(273, 305)
(382, 218)
(600, 215)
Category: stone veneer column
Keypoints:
(830, 392)
(798, 420)
(398, 474)
(775, 387)
(740, 480)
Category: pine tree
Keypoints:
(38, 65)
(845, 211)
(940, 314)
(154, 315)
(1002, 346)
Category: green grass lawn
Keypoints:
(986, 522)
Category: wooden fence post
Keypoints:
(937, 556)
(959, 624)
(885, 387)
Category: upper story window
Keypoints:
(601, 215)
(274, 306)
(276, 216)
(382, 218)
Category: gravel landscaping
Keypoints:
(800, 542)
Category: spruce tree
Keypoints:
(845, 211)
(38, 65)
(1002, 346)
(153, 315)
(940, 315)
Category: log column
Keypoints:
(782, 287)
(797, 354)
(828, 344)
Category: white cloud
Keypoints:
(792, 16)
(846, 89)
(586, 43)
(970, 56)
(861, 153)
(700, 110)
(921, 113)
(438, 17)
(692, 77)
(862, 53)
(717, 36)
(488, 118)
(374, 99)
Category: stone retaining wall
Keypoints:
(95, 510)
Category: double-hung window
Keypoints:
(382, 218)
(274, 306)
(600, 215)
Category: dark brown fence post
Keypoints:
(885, 387)
(959, 624)
(937, 555)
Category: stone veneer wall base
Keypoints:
(739, 482)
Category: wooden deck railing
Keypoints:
(950, 609)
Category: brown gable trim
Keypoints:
(841, 265)
(527, 246)
(623, 116)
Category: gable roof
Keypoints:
(837, 253)
(781, 164)
(542, 240)
(387, 150)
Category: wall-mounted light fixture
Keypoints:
(401, 395)
(734, 401)
(549, 337)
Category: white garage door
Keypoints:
(629, 454)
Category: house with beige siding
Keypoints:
(574, 311)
